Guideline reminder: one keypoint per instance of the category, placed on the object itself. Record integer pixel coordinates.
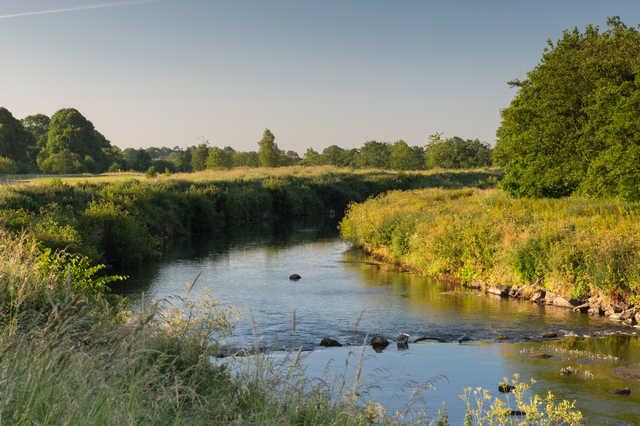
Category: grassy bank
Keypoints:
(577, 248)
(125, 220)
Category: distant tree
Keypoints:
(456, 153)
(38, 126)
(289, 158)
(245, 159)
(199, 155)
(136, 159)
(404, 157)
(312, 158)
(72, 139)
(164, 166)
(16, 143)
(574, 123)
(374, 155)
(219, 158)
(268, 151)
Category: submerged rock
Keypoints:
(425, 338)
(550, 335)
(379, 343)
(402, 341)
(622, 392)
(541, 355)
(295, 277)
(329, 342)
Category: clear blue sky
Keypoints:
(170, 72)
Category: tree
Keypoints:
(220, 158)
(374, 155)
(71, 139)
(136, 159)
(456, 153)
(16, 143)
(404, 157)
(245, 159)
(38, 126)
(573, 124)
(312, 158)
(199, 155)
(268, 151)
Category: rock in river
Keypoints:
(294, 277)
(329, 342)
(623, 392)
(402, 341)
(379, 343)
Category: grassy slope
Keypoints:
(576, 247)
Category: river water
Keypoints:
(347, 296)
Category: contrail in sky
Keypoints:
(76, 8)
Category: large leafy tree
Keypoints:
(268, 151)
(136, 159)
(219, 158)
(574, 123)
(17, 145)
(374, 154)
(404, 157)
(74, 145)
(456, 153)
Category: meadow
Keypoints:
(578, 248)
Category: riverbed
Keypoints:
(477, 340)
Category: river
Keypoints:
(347, 296)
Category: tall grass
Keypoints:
(71, 355)
(575, 246)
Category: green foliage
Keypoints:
(74, 145)
(8, 166)
(374, 155)
(574, 246)
(573, 123)
(16, 143)
(199, 155)
(136, 159)
(405, 157)
(219, 159)
(268, 151)
(456, 153)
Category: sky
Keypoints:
(317, 73)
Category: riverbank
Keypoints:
(126, 221)
(575, 253)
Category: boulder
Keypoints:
(379, 343)
(464, 339)
(622, 392)
(402, 341)
(561, 302)
(294, 277)
(329, 342)
(499, 290)
(550, 335)
(538, 296)
(503, 337)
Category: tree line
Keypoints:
(68, 143)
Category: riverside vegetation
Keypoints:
(574, 252)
